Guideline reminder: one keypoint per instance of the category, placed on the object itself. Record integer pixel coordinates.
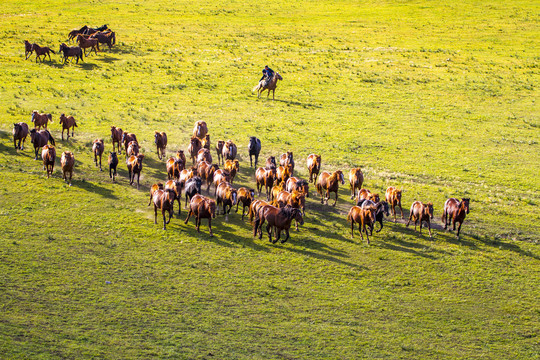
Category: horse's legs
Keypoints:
(459, 228)
(400, 209)
(100, 169)
(188, 215)
(163, 213)
(335, 202)
(198, 221)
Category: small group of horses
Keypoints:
(86, 37)
(285, 193)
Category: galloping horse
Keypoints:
(71, 51)
(421, 212)
(39, 139)
(42, 51)
(456, 210)
(67, 122)
(48, 154)
(202, 207)
(40, 120)
(116, 136)
(20, 132)
(254, 148)
(278, 218)
(329, 183)
(27, 49)
(85, 43)
(270, 85)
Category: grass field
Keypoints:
(437, 99)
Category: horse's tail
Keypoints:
(256, 88)
(349, 217)
(51, 50)
(75, 124)
(49, 116)
(50, 138)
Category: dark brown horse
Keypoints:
(116, 137)
(266, 178)
(42, 51)
(71, 51)
(126, 139)
(200, 130)
(133, 149)
(229, 150)
(278, 219)
(40, 120)
(160, 139)
(67, 122)
(327, 183)
(245, 196)
(39, 139)
(108, 38)
(98, 147)
(421, 212)
(455, 211)
(85, 43)
(193, 148)
(48, 154)
(134, 165)
(219, 150)
(393, 198)
(20, 132)
(356, 179)
(113, 163)
(163, 200)
(202, 207)
(270, 86)
(176, 186)
(206, 142)
(226, 195)
(204, 155)
(27, 49)
(271, 163)
(67, 161)
(294, 183)
(73, 33)
(314, 166)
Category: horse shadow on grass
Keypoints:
(94, 188)
(297, 103)
(108, 59)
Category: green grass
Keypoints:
(437, 99)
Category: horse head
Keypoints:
(429, 207)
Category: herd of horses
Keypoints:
(285, 193)
(86, 37)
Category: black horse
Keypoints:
(90, 31)
(254, 149)
(382, 209)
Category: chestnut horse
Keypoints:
(206, 142)
(85, 43)
(356, 179)
(365, 217)
(163, 200)
(270, 86)
(329, 183)
(134, 165)
(365, 194)
(456, 210)
(220, 176)
(421, 212)
(202, 207)
(283, 173)
(297, 184)
(176, 186)
(246, 197)
(126, 139)
(39, 139)
(42, 51)
(226, 195)
(174, 166)
(204, 155)
(266, 178)
(116, 137)
(314, 166)
(67, 161)
(67, 122)
(279, 219)
(48, 154)
(287, 160)
(229, 150)
(271, 163)
(232, 166)
(219, 150)
(20, 132)
(393, 197)
(98, 147)
(254, 208)
(200, 130)
(40, 120)
(133, 149)
(160, 139)
(206, 172)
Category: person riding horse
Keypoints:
(267, 74)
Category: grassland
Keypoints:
(437, 99)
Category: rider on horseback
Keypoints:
(268, 74)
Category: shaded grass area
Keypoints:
(437, 99)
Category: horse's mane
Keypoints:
(288, 211)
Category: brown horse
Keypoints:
(160, 139)
(67, 161)
(276, 189)
(254, 208)
(232, 166)
(229, 150)
(133, 148)
(297, 184)
(20, 132)
(108, 38)
(393, 198)
(456, 211)
(364, 217)
(163, 200)
(279, 219)
(67, 122)
(116, 137)
(266, 178)
(246, 197)
(206, 142)
(113, 163)
(314, 166)
(283, 173)
(180, 155)
(226, 195)
(421, 212)
(176, 186)
(48, 154)
(27, 49)
(200, 130)
(204, 155)
(220, 176)
(295, 199)
(329, 183)
(365, 194)
(85, 43)
(206, 172)
(126, 139)
(356, 179)
(98, 147)
(202, 207)
(39, 139)
(270, 86)
(219, 150)
(174, 166)
(193, 148)
(287, 160)
(71, 51)
(73, 33)
(40, 120)
(134, 165)
(42, 51)
(270, 163)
